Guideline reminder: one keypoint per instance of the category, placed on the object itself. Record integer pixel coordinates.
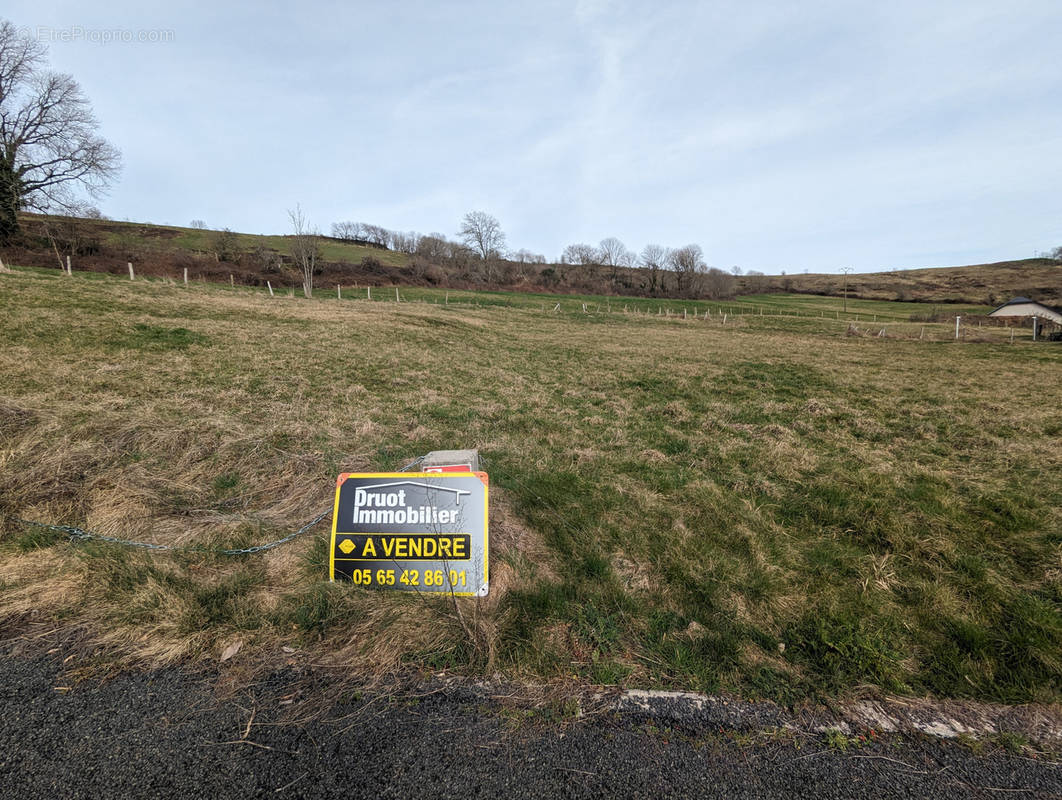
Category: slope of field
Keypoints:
(990, 284)
(766, 504)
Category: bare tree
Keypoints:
(404, 242)
(523, 256)
(611, 251)
(613, 254)
(589, 258)
(718, 285)
(198, 224)
(462, 259)
(433, 247)
(688, 264)
(655, 258)
(755, 280)
(304, 247)
(582, 254)
(348, 231)
(482, 233)
(69, 236)
(48, 141)
(361, 232)
(377, 234)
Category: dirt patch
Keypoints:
(634, 576)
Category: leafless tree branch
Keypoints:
(49, 145)
(304, 247)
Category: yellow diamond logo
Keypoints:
(346, 546)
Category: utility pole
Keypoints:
(846, 270)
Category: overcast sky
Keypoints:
(777, 135)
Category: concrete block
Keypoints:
(440, 458)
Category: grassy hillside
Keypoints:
(165, 251)
(768, 505)
(160, 237)
(990, 284)
(151, 238)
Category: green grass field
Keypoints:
(777, 506)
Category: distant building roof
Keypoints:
(1051, 313)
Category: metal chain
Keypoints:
(81, 535)
(259, 548)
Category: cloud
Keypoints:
(777, 135)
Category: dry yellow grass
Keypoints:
(761, 480)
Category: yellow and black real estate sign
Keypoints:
(412, 531)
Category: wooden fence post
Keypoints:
(186, 276)
(69, 270)
(130, 265)
(270, 287)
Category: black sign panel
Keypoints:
(424, 532)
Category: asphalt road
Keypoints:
(166, 734)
